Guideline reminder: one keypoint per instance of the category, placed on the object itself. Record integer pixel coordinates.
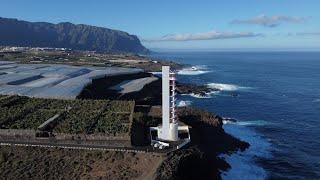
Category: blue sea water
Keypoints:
(275, 96)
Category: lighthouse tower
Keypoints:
(169, 129)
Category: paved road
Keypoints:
(147, 149)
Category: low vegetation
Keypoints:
(44, 163)
(96, 116)
(76, 116)
(16, 108)
(34, 120)
(117, 123)
(86, 58)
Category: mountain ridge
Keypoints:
(14, 32)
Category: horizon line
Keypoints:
(235, 49)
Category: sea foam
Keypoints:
(194, 70)
(243, 165)
(205, 96)
(226, 87)
(184, 103)
(246, 123)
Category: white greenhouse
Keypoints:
(52, 80)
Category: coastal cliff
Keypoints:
(15, 32)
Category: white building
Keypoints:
(169, 130)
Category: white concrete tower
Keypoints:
(169, 129)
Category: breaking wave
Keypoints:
(199, 96)
(194, 70)
(243, 164)
(183, 103)
(226, 87)
(245, 123)
(217, 89)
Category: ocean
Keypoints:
(275, 98)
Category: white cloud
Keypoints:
(202, 36)
(308, 34)
(271, 21)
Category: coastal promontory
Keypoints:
(15, 32)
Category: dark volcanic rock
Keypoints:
(190, 164)
(100, 89)
(207, 132)
(67, 35)
(208, 140)
(184, 88)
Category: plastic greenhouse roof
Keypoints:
(52, 80)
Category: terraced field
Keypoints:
(75, 116)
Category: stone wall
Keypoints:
(29, 136)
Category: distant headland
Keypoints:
(15, 32)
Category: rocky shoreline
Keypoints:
(208, 138)
(200, 159)
(201, 90)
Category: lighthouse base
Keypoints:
(170, 134)
(176, 137)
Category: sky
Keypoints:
(184, 24)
